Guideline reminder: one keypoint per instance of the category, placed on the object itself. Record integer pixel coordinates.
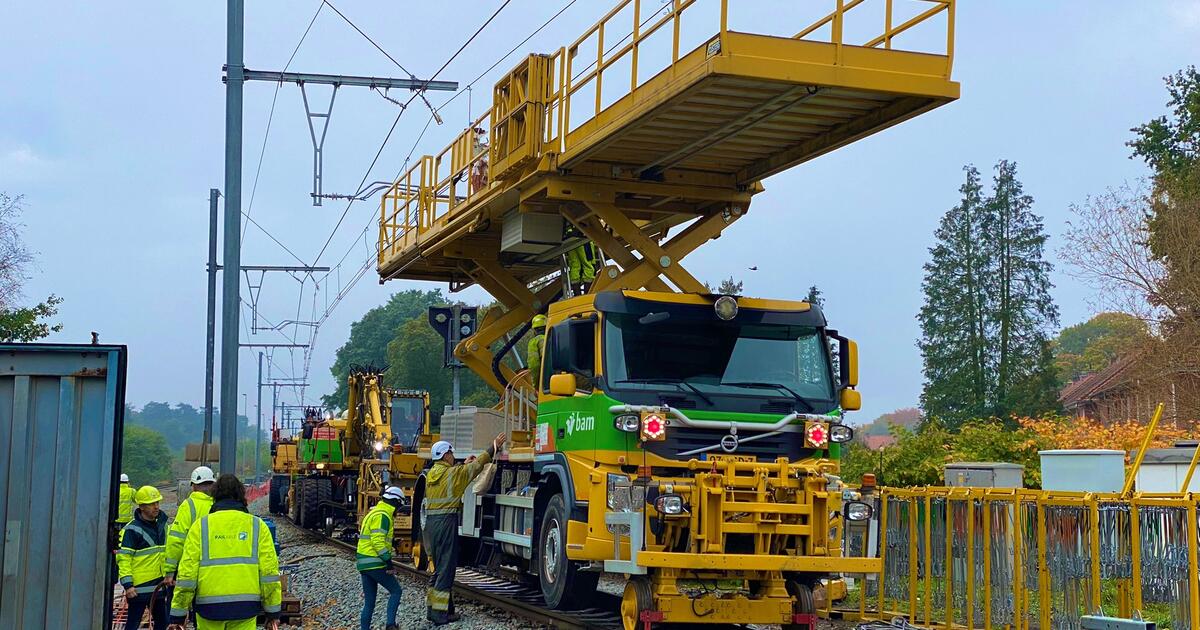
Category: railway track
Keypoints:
(512, 597)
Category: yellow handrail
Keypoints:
(1137, 463)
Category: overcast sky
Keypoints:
(111, 125)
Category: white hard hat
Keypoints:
(393, 492)
(202, 474)
(124, 478)
(440, 448)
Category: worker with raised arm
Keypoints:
(229, 573)
(373, 558)
(140, 559)
(197, 505)
(533, 353)
(444, 487)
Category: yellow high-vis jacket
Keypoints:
(375, 538)
(193, 509)
(140, 558)
(445, 484)
(229, 570)
(125, 504)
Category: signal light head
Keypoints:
(654, 428)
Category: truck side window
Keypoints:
(571, 348)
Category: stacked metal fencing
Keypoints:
(993, 558)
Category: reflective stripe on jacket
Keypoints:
(125, 504)
(229, 570)
(196, 507)
(445, 484)
(140, 557)
(375, 538)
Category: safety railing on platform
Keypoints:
(990, 558)
(531, 111)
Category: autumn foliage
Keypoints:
(918, 457)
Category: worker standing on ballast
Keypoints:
(373, 558)
(582, 264)
(196, 507)
(140, 560)
(229, 573)
(533, 354)
(125, 505)
(444, 487)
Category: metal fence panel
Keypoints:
(60, 409)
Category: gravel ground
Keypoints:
(324, 578)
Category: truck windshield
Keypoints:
(408, 414)
(717, 357)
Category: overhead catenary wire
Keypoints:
(271, 116)
(392, 129)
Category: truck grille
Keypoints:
(683, 439)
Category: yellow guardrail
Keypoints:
(531, 112)
(990, 558)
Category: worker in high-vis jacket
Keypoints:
(140, 560)
(373, 558)
(444, 487)
(196, 507)
(229, 573)
(582, 264)
(125, 505)
(533, 353)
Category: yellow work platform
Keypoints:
(650, 143)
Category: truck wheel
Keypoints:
(802, 603)
(563, 584)
(636, 600)
(310, 510)
(294, 500)
(274, 496)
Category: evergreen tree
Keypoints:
(953, 336)
(988, 309)
(1020, 308)
(814, 296)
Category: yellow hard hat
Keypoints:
(539, 321)
(146, 495)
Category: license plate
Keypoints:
(732, 458)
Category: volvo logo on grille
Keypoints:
(729, 443)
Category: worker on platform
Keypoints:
(582, 264)
(125, 505)
(229, 573)
(444, 487)
(140, 560)
(533, 354)
(197, 505)
(373, 558)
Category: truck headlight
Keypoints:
(857, 511)
(840, 433)
(629, 423)
(669, 504)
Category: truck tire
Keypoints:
(636, 600)
(276, 496)
(802, 602)
(296, 498)
(563, 585)
(310, 510)
(324, 495)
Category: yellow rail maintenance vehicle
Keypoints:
(333, 471)
(684, 439)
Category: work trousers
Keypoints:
(136, 607)
(440, 537)
(371, 581)
(236, 624)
